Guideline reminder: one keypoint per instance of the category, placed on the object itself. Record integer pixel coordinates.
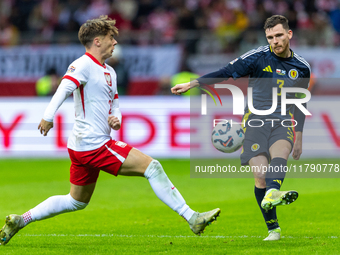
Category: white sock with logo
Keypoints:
(166, 191)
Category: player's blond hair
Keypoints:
(96, 27)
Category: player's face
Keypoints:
(108, 45)
(278, 38)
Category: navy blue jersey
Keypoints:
(265, 71)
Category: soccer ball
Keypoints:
(226, 137)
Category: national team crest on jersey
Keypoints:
(293, 74)
(71, 69)
(255, 147)
(121, 144)
(108, 79)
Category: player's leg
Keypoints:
(256, 153)
(257, 163)
(139, 164)
(280, 148)
(269, 216)
(279, 153)
(77, 199)
(83, 182)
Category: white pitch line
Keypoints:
(164, 236)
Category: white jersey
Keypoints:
(95, 97)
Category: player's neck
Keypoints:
(97, 56)
(286, 54)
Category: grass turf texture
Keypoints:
(125, 216)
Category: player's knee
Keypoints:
(75, 205)
(154, 168)
(258, 173)
(282, 151)
(260, 183)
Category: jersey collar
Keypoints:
(283, 59)
(95, 60)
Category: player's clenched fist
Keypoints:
(114, 122)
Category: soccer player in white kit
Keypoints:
(91, 149)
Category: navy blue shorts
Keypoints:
(258, 140)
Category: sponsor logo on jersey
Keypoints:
(293, 74)
(232, 62)
(120, 144)
(255, 147)
(108, 79)
(71, 69)
(268, 69)
(280, 72)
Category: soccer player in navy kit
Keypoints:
(274, 65)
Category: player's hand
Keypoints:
(114, 122)
(45, 126)
(180, 88)
(297, 148)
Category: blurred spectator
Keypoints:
(335, 19)
(186, 21)
(98, 7)
(117, 63)
(81, 14)
(48, 84)
(90, 10)
(144, 9)
(121, 23)
(9, 34)
(127, 8)
(41, 23)
(162, 23)
(196, 24)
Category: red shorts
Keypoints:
(86, 165)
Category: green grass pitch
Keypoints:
(126, 217)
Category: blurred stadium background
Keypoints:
(161, 43)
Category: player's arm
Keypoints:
(300, 117)
(115, 118)
(237, 68)
(207, 79)
(64, 90)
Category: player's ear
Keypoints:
(97, 41)
(290, 34)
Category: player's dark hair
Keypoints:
(96, 27)
(275, 20)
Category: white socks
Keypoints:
(53, 206)
(159, 182)
(166, 191)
